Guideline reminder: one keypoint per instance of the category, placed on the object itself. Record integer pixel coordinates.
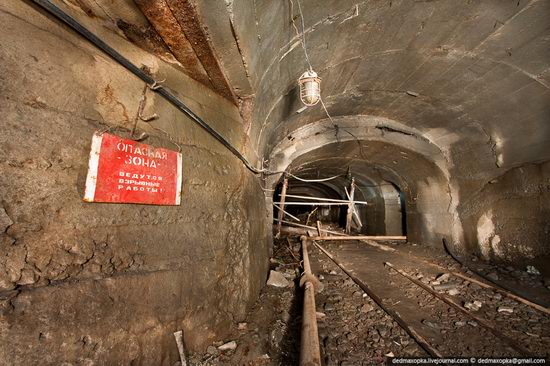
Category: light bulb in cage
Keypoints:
(310, 88)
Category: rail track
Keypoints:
(378, 303)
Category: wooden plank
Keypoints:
(360, 237)
(325, 199)
(282, 207)
(286, 213)
(349, 216)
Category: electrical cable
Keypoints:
(156, 86)
(153, 84)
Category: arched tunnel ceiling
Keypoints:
(471, 77)
(468, 79)
(371, 163)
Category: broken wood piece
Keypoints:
(361, 237)
(179, 341)
(286, 213)
(319, 230)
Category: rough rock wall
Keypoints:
(509, 219)
(103, 284)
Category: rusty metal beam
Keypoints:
(178, 23)
(163, 21)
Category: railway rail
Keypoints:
(443, 311)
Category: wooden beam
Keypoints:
(360, 237)
(349, 215)
(282, 207)
(309, 227)
(325, 199)
(345, 203)
(286, 213)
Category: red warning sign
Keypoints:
(127, 171)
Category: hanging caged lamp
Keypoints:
(310, 88)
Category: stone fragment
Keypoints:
(242, 326)
(389, 354)
(460, 324)
(443, 277)
(505, 309)
(277, 279)
(472, 323)
(285, 316)
(228, 346)
(472, 305)
(333, 272)
(211, 350)
(320, 316)
(492, 276)
(431, 324)
(366, 308)
(446, 286)
(532, 270)
(453, 291)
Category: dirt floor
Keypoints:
(355, 330)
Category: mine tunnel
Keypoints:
(274, 182)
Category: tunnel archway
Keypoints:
(378, 158)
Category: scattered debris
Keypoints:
(532, 270)
(443, 277)
(242, 326)
(277, 279)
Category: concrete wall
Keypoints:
(111, 282)
(509, 219)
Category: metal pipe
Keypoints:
(310, 352)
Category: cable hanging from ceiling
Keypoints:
(154, 85)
